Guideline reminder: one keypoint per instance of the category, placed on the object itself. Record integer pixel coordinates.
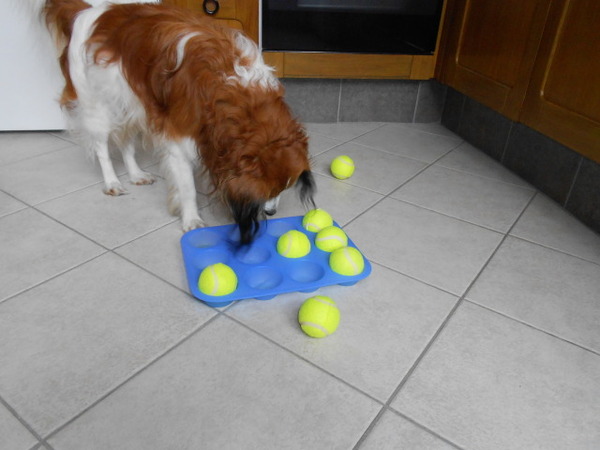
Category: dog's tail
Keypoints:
(59, 16)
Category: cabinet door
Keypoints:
(563, 100)
(490, 48)
(241, 14)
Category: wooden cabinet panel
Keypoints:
(341, 65)
(240, 14)
(563, 100)
(491, 50)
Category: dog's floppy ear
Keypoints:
(246, 214)
(308, 189)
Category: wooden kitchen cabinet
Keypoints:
(489, 48)
(563, 99)
(243, 14)
(534, 61)
(240, 14)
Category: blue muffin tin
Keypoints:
(262, 272)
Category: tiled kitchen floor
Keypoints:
(478, 328)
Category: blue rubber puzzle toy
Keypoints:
(261, 271)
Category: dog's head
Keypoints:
(259, 150)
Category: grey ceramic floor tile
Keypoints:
(50, 175)
(432, 128)
(13, 435)
(225, 387)
(467, 158)
(9, 204)
(19, 146)
(406, 141)
(491, 383)
(387, 320)
(342, 131)
(318, 143)
(66, 343)
(436, 249)
(478, 200)
(393, 432)
(113, 221)
(375, 170)
(550, 290)
(546, 222)
(36, 248)
(160, 253)
(342, 200)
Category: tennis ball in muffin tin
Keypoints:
(293, 244)
(316, 219)
(217, 280)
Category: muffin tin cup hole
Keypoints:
(203, 238)
(263, 278)
(209, 257)
(235, 237)
(255, 254)
(278, 228)
(307, 272)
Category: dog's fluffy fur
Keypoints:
(197, 90)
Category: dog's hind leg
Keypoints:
(179, 160)
(136, 174)
(112, 185)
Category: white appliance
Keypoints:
(30, 78)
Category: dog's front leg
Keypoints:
(179, 160)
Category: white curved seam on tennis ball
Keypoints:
(328, 238)
(324, 301)
(350, 260)
(317, 326)
(313, 225)
(215, 280)
(288, 246)
(346, 162)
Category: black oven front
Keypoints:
(351, 26)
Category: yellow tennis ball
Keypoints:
(347, 261)
(331, 238)
(293, 244)
(217, 279)
(316, 219)
(319, 316)
(342, 167)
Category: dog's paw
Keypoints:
(115, 189)
(192, 224)
(142, 178)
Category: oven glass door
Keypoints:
(351, 26)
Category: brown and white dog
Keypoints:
(200, 92)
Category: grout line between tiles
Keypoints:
(533, 327)
(564, 252)
(444, 323)
(339, 103)
(135, 374)
(414, 116)
(291, 352)
(568, 197)
(23, 422)
(385, 196)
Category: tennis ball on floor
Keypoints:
(293, 244)
(316, 219)
(342, 167)
(331, 238)
(319, 316)
(217, 279)
(347, 261)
